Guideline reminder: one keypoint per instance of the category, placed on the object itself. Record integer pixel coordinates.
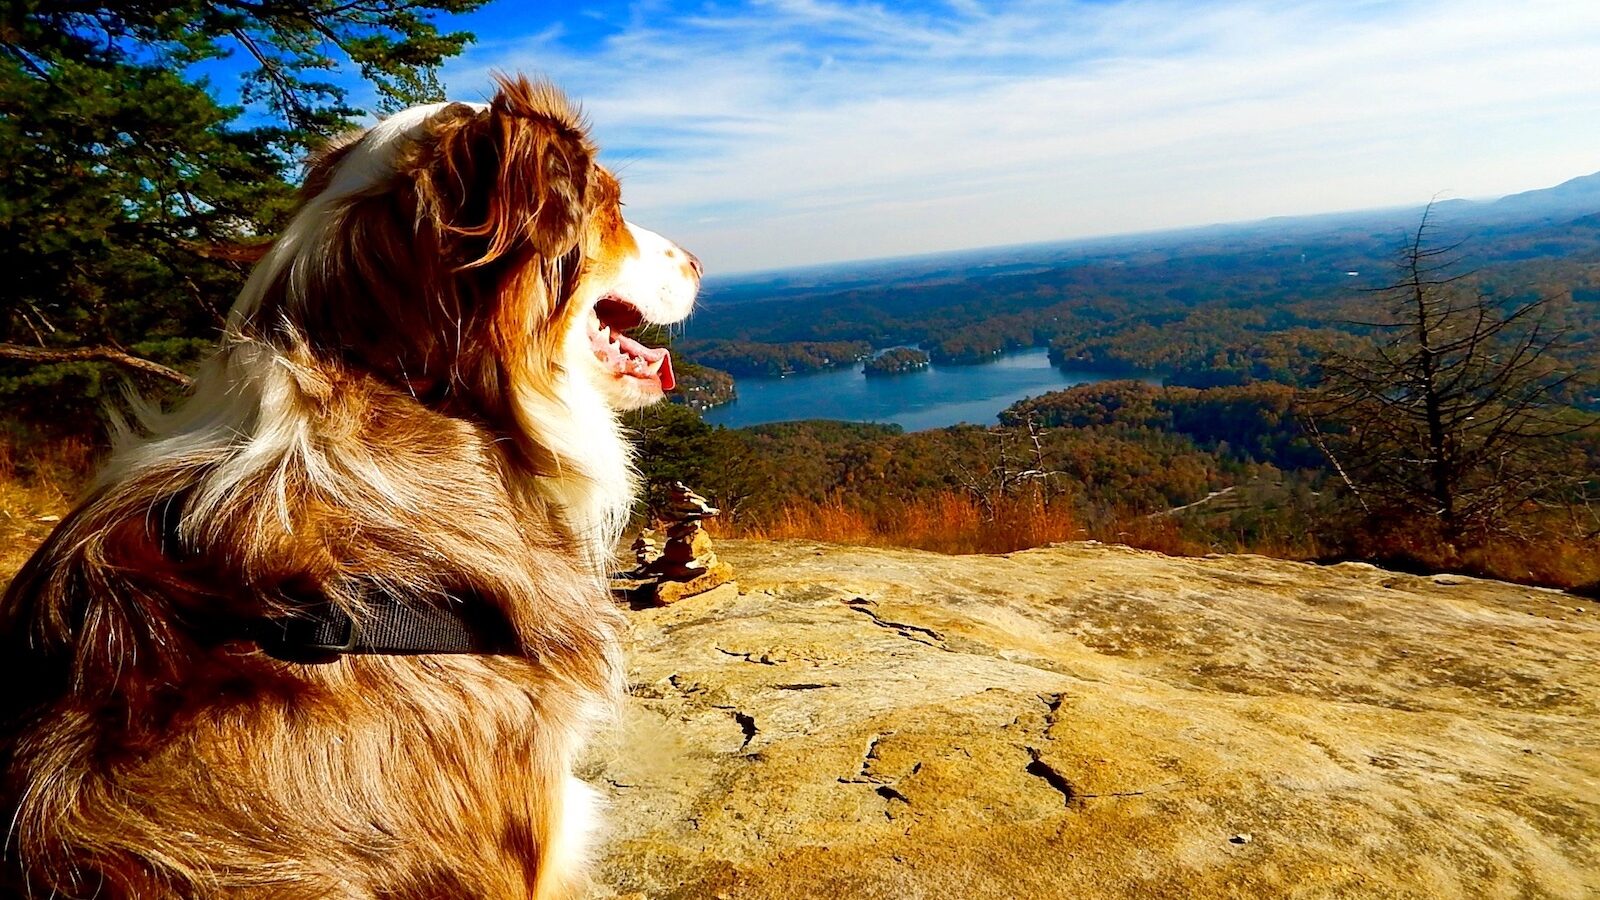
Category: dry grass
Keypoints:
(951, 522)
(1163, 534)
(1558, 553)
(1573, 564)
(38, 482)
(945, 523)
(957, 523)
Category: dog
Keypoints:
(337, 624)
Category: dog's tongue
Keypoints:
(651, 355)
(668, 380)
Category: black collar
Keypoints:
(388, 626)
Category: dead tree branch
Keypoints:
(93, 354)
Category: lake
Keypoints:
(935, 397)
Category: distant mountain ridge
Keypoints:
(1574, 199)
(1581, 193)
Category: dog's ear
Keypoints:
(516, 175)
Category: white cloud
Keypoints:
(798, 131)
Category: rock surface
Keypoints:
(1087, 721)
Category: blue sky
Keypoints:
(786, 132)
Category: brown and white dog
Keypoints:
(416, 400)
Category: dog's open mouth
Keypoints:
(622, 354)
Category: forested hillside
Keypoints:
(1246, 305)
(1242, 448)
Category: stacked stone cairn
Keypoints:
(645, 550)
(686, 566)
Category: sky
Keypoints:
(778, 133)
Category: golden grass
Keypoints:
(1569, 564)
(952, 522)
(945, 523)
(1558, 553)
(955, 523)
(39, 480)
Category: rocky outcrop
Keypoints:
(1087, 721)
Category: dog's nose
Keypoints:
(694, 263)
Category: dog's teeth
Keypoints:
(605, 332)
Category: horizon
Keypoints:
(712, 279)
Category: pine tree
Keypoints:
(125, 177)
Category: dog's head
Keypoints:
(475, 255)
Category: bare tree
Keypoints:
(1453, 409)
(1011, 472)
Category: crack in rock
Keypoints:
(1051, 776)
(868, 757)
(1052, 704)
(882, 785)
(685, 686)
(917, 633)
(888, 792)
(806, 686)
(747, 724)
(763, 659)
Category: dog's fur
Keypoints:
(406, 402)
